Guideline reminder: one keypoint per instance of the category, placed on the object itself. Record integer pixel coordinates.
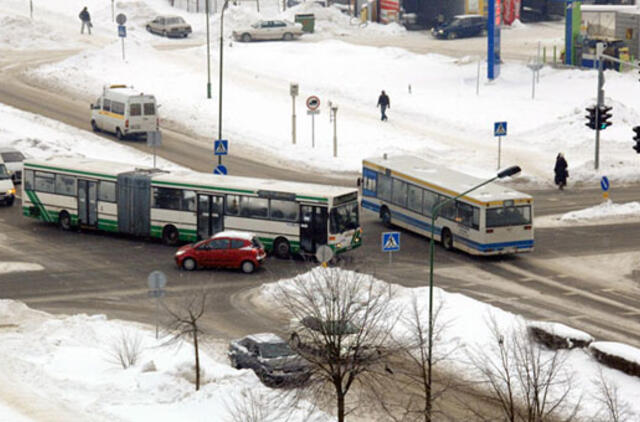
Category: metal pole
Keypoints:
(335, 132)
(293, 119)
(224, 6)
(478, 78)
(533, 84)
(208, 55)
(538, 61)
(499, 150)
(31, 9)
(157, 314)
(122, 38)
(600, 101)
(390, 259)
(154, 155)
(313, 130)
(113, 12)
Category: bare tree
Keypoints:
(251, 406)
(126, 349)
(343, 326)
(183, 324)
(526, 382)
(613, 408)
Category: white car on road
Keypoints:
(269, 30)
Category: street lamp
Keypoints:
(434, 213)
(208, 54)
(224, 7)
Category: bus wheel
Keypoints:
(281, 248)
(385, 215)
(170, 235)
(94, 126)
(119, 134)
(64, 220)
(447, 239)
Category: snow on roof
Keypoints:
(265, 338)
(83, 165)
(562, 330)
(444, 179)
(624, 351)
(236, 234)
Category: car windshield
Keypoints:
(4, 174)
(173, 21)
(12, 157)
(344, 217)
(256, 25)
(275, 350)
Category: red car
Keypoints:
(226, 250)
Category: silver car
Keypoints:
(269, 30)
(169, 26)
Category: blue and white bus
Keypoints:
(491, 220)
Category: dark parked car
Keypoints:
(461, 26)
(271, 359)
(224, 250)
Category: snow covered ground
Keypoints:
(608, 212)
(441, 119)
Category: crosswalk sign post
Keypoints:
(390, 243)
(220, 148)
(499, 130)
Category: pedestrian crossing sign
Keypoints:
(221, 147)
(390, 241)
(500, 129)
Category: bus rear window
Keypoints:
(135, 109)
(509, 216)
(149, 109)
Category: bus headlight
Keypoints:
(11, 191)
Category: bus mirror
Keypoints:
(358, 181)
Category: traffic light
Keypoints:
(591, 116)
(604, 116)
(637, 139)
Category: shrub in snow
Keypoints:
(556, 336)
(618, 356)
(149, 367)
(187, 371)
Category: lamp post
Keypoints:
(224, 7)
(208, 54)
(434, 213)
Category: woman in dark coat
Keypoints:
(561, 171)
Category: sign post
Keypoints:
(154, 139)
(157, 280)
(293, 91)
(313, 103)
(122, 30)
(333, 114)
(605, 185)
(499, 130)
(390, 243)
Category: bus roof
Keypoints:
(240, 185)
(443, 179)
(125, 92)
(83, 165)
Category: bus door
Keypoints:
(210, 215)
(87, 202)
(313, 227)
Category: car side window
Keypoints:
(265, 24)
(219, 244)
(237, 243)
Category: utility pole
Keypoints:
(293, 90)
(208, 55)
(224, 7)
(600, 99)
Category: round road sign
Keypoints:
(313, 103)
(324, 254)
(157, 280)
(121, 18)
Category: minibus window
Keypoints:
(106, 105)
(135, 109)
(149, 109)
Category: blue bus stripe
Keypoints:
(519, 244)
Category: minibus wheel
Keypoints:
(119, 134)
(94, 126)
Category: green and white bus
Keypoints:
(491, 220)
(288, 217)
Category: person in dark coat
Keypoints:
(383, 103)
(561, 171)
(86, 20)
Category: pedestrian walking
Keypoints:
(561, 171)
(86, 20)
(384, 104)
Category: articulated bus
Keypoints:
(175, 206)
(491, 220)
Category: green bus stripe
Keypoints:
(107, 176)
(36, 201)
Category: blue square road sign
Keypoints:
(390, 241)
(221, 147)
(500, 129)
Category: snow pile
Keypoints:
(605, 209)
(14, 267)
(468, 330)
(22, 33)
(63, 367)
(555, 335)
(619, 356)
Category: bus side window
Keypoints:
(254, 207)
(429, 201)
(232, 205)
(384, 187)
(414, 201)
(28, 179)
(284, 210)
(106, 105)
(107, 191)
(369, 180)
(399, 196)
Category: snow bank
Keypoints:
(14, 267)
(555, 335)
(607, 212)
(618, 356)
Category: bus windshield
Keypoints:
(509, 216)
(343, 218)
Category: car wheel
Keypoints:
(64, 221)
(94, 126)
(119, 134)
(282, 248)
(148, 28)
(246, 37)
(385, 215)
(451, 36)
(189, 264)
(447, 239)
(170, 235)
(287, 36)
(248, 267)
